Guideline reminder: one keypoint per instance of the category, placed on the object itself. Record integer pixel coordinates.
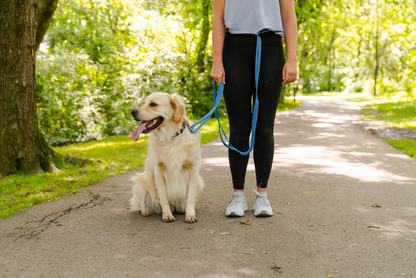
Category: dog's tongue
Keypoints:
(136, 133)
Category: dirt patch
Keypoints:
(387, 132)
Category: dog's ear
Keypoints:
(178, 108)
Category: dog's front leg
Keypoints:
(167, 215)
(191, 196)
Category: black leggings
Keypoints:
(239, 91)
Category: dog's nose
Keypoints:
(134, 112)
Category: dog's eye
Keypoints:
(152, 104)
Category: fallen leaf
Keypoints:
(373, 226)
(60, 224)
(224, 233)
(190, 228)
(277, 268)
(248, 222)
(376, 206)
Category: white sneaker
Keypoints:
(237, 205)
(262, 205)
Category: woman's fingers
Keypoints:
(218, 74)
(289, 73)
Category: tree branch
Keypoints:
(46, 8)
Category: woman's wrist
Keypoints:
(291, 59)
(217, 62)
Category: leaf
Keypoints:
(376, 206)
(373, 226)
(248, 222)
(224, 233)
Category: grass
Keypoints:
(118, 153)
(408, 146)
(401, 114)
(288, 104)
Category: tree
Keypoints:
(22, 146)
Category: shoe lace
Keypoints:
(235, 199)
(261, 199)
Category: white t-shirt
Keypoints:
(252, 16)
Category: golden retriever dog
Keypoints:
(171, 181)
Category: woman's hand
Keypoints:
(218, 73)
(290, 73)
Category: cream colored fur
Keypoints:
(171, 180)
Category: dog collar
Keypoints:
(180, 131)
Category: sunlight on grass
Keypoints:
(288, 104)
(401, 114)
(408, 146)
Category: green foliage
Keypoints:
(340, 42)
(101, 58)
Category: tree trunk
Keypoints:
(22, 146)
(19, 132)
(206, 28)
(376, 53)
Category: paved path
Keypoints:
(326, 178)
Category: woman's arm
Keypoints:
(287, 9)
(218, 34)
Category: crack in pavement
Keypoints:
(32, 229)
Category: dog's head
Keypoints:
(158, 110)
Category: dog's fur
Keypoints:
(171, 180)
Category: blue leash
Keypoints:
(217, 98)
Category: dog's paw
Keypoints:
(191, 218)
(168, 217)
(145, 213)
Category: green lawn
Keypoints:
(392, 113)
(118, 154)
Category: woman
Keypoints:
(235, 26)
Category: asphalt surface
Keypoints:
(344, 203)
